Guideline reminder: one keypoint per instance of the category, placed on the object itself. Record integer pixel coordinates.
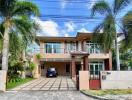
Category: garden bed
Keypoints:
(109, 94)
(11, 85)
(106, 92)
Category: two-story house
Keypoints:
(71, 54)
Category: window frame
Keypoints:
(54, 48)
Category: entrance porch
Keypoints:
(82, 58)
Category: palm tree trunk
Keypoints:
(117, 54)
(5, 48)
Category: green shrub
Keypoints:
(13, 72)
(38, 56)
(31, 66)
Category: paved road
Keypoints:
(44, 95)
(59, 83)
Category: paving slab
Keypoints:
(54, 89)
(59, 83)
(44, 88)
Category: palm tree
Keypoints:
(109, 24)
(14, 15)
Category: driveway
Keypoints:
(46, 84)
(44, 95)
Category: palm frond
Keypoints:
(16, 47)
(26, 28)
(109, 32)
(120, 4)
(6, 6)
(127, 19)
(25, 8)
(96, 33)
(127, 23)
(101, 7)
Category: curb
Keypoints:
(96, 97)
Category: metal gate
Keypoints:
(94, 80)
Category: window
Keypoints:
(52, 47)
(56, 48)
(93, 47)
(48, 48)
(70, 46)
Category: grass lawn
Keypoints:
(11, 85)
(108, 92)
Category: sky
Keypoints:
(67, 17)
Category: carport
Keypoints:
(63, 66)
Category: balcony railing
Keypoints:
(58, 50)
(93, 48)
(89, 47)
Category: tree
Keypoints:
(126, 58)
(15, 15)
(109, 24)
(126, 44)
(18, 44)
(127, 27)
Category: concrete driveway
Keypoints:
(44, 95)
(52, 84)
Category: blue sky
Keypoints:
(67, 17)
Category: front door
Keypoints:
(78, 68)
(67, 69)
(42, 70)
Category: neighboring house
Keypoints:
(71, 54)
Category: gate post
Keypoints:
(83, 80)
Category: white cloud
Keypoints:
(70, 26)
(48, 28)
(51, 28)
(63, 4)
(101, 31)
(91, 4)
(66, 35)
(84, 30)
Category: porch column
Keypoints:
(73, 65)
(85, 63)
(82, 65)
(110, 60)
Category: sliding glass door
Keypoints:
(95, 68)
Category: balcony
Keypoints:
(58, 51)
(94, 48)
(54, 53)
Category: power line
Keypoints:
(73, 17)
(69, 1)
